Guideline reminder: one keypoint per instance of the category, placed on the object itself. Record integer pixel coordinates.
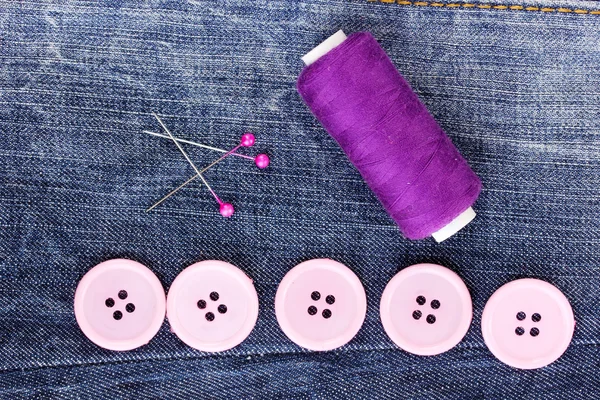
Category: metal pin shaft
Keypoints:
(198, 144)
(188, 159)
(171, 193)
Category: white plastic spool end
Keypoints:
(324, 48)
(456, 225)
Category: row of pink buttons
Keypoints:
(320, 305)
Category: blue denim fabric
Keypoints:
(518, 92)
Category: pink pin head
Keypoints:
(247, 139)
(262, 161)
(226, 210)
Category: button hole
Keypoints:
(520, 331)
(534, 332)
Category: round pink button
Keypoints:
(426, 309)
(212, 306)
(320, 304)
(120, 304)
(527, 323)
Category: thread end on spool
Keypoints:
(456, 225)
(325, 47)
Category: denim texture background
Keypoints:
(517, 91)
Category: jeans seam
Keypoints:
(191, 357)
(563, 10)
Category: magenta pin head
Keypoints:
(262, 161)
(226, 210)
(247, 139)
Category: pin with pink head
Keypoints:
(262, 160)
(226, 209)
(247, 139)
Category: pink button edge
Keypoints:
(388, 326)
(188, 338)
(86, 327)
(286, 326)
(487, 317)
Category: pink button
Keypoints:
(120, 304)
(426, 309)
(320, 304)
(212, 306)
(527, 323)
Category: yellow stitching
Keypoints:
(486, 6)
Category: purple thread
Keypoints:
(387, 133)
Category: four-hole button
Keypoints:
(527, 323)
(426, 309)
(212, 306)
(120, 304)
(320, 304)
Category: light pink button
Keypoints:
(212, 306)
(527, 323)
(426, 309)
(320, 304)
(120, 304)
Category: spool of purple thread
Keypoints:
(354, 90)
